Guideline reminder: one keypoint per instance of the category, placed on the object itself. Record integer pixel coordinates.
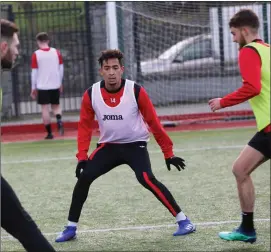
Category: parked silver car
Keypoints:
(191, 57)
(188, 72)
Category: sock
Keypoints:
(48, 128)
(58, 118)
(180, 216)
(247, 221)
(72, 224)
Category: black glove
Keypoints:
(176, 161)
(80, 167)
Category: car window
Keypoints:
(197, 50)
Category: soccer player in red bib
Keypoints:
(254, 62)
(46, 82)
(121, 106)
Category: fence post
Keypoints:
(119, 20)
(265, 23)
(14, 75)
(111, 25)
(137, 49)
(221, 39)
(91, 60)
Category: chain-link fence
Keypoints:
(181, 52)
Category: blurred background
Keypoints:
(181, 52)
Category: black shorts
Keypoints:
(50, 96)
(108, 156)
(261, 141)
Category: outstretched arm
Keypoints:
(149, 114)
(85, 127)
(250, 69)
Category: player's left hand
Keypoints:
(61, 89)
(176, 161)
(215, 104)
(80, 167)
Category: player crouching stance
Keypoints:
(120, 106)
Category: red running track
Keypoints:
(30, 133)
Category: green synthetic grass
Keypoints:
(206, 191)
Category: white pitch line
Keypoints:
(212, 223)
(151, 152)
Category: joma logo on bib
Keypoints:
(112, 117)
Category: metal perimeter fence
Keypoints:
(181, 52)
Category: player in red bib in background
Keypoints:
(46, 82)
(121, 106)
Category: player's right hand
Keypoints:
(215, 104)
(80, 167)
(33, 94)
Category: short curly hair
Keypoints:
(110, 54)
